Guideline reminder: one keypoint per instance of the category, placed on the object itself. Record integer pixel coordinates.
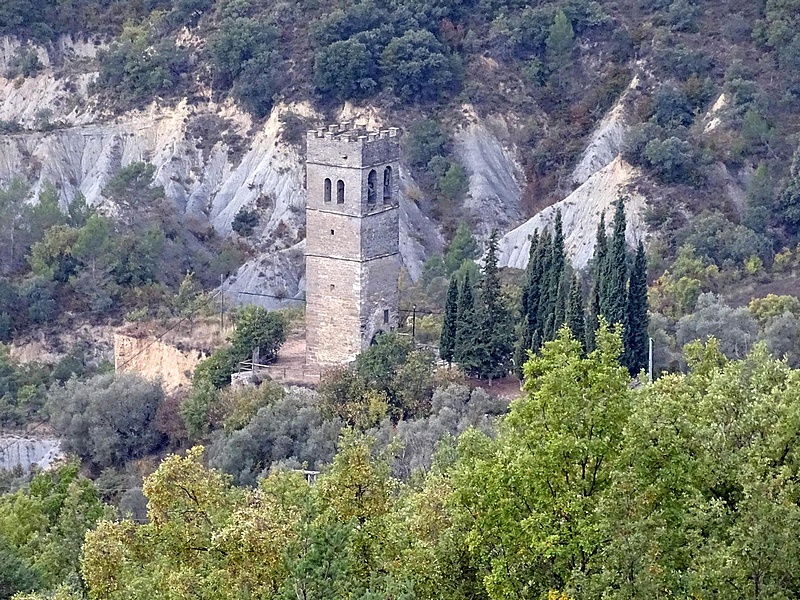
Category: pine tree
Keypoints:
(447, 341)
(496, 334)
(636, 318)
(612, 301)
(576, 318)
(466, 348)
(598, 274)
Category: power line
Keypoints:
(284, 298)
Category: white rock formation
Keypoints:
(28, 451)
(496, 178)
(606, 141)
(580, 213)
(713, 118)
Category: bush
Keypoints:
(290, 432)
(425, 140)
(258, 328)
(107, 420)
(244, 222)
(416, 67)
(672, 160)
(345, 70)
(735, 329)
(141, 65)
(24, 63)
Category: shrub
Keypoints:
(244, 222)
(344, 70)
(290, 431)
(25, 63)
(107, 420)
(425, 140)
(141, 65)
(735, 329)
(416, 67)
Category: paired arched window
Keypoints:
(340, 192)
(387, 185)
(327, 190)
(372, 184)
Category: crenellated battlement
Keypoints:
(346, 131)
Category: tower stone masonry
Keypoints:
(352, 240)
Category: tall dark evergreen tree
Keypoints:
(467, 349)
(556, 296)
(636, 318)
(496, 335)
(576, 317)
(447, 341)
(598, 275)
(536, 286)
(612, 299)
(529, 293)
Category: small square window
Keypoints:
(331, 231)
(386, 316)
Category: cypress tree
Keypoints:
(543, 306)
(526, 296)
(598, 274)
(576, 318)
(612, 301)
(555, 283)
(465, 352)
(520, 349)
(636, 319)
(496, 333)
(447, 341)
(533, 287)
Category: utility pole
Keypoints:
(221, 305)
(414, 326)
(650, 360)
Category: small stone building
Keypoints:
(352, 240)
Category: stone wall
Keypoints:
(333, 320)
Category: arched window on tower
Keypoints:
(372, 183)
(340, 192)
(387, 185)
(327, 190)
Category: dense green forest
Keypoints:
(586, 488)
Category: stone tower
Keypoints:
(352, 240)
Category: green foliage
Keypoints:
(257, 328)
(416, 67)
(42, 528)
(636, 317)
(547, 470)
(344, 70)
(140, 65)
(244, 57)
(716, 239)
(560, 40)
(496, 331)
(108, 419)
(462, 247)
(24, 63)
(244, 222)
(424, 140)
(447, 342)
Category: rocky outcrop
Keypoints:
(606, 140)
(496, 178)
(156, 359)
(28, 451)
(580, 213)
